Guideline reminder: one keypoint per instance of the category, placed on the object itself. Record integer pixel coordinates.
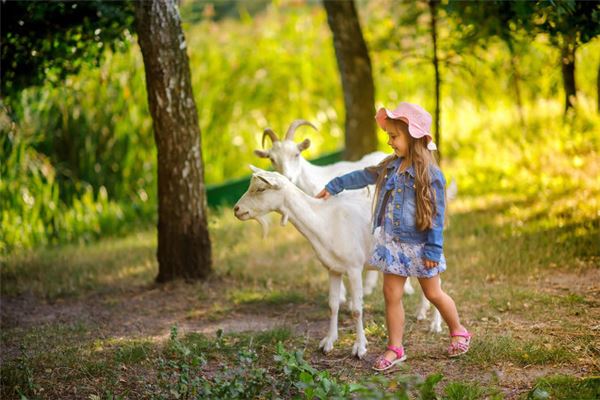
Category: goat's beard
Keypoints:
(263, 220)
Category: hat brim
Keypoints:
(414, 130)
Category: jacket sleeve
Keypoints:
(435, 237)
(354, 180)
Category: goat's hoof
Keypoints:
(327, 344)
(421, 315)
(435, 328)
(359, 350)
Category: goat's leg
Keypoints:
(360, 345)
(335, 280)
(370, 282)
(408, 289)
(436, 322)
(342, 293)
(436, 319)
(423, 307)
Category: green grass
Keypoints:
(132, 352)
(561, 387)
(469, 391)
(73, 270)
(275, 298)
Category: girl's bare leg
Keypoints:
(393, 289)
(444, 303)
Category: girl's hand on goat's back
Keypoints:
(323, 194)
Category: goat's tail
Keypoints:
(452, 190)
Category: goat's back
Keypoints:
(331, 171)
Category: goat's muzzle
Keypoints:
(241, 215)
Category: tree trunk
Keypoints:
(183, 242)
(516, 79)
(436, 66)
(568, 73)
(357, 78)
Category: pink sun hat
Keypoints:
(417, 118)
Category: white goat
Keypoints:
(286, 158)
(338, 230)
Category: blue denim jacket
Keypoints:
(401, 190)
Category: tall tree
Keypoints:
(183, 242)
(569, 24)
(357, 77)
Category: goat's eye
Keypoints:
(297, 155)
(260, 189)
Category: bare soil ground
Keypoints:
(150, 312)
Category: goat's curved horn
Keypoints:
(271, 134)
(289, 135)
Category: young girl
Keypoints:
(408, 221)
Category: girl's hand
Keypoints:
(323, 194)
(429, 263)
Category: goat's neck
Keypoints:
(308, 179)
(304, 213)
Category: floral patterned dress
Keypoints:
(391, 256)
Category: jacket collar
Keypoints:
(396, 164)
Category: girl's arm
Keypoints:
(353, 180)
(435, 237)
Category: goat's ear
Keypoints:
(255, 169)
(266, 180)
(304, 145)
(262, 153)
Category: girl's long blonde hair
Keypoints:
(422, 160)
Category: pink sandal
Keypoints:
(458, 348)
(382, 364)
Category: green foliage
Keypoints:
(181, 375)
(570, 20)
(577, 20)
(195, 11)
(78, 162)
(46, 41)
